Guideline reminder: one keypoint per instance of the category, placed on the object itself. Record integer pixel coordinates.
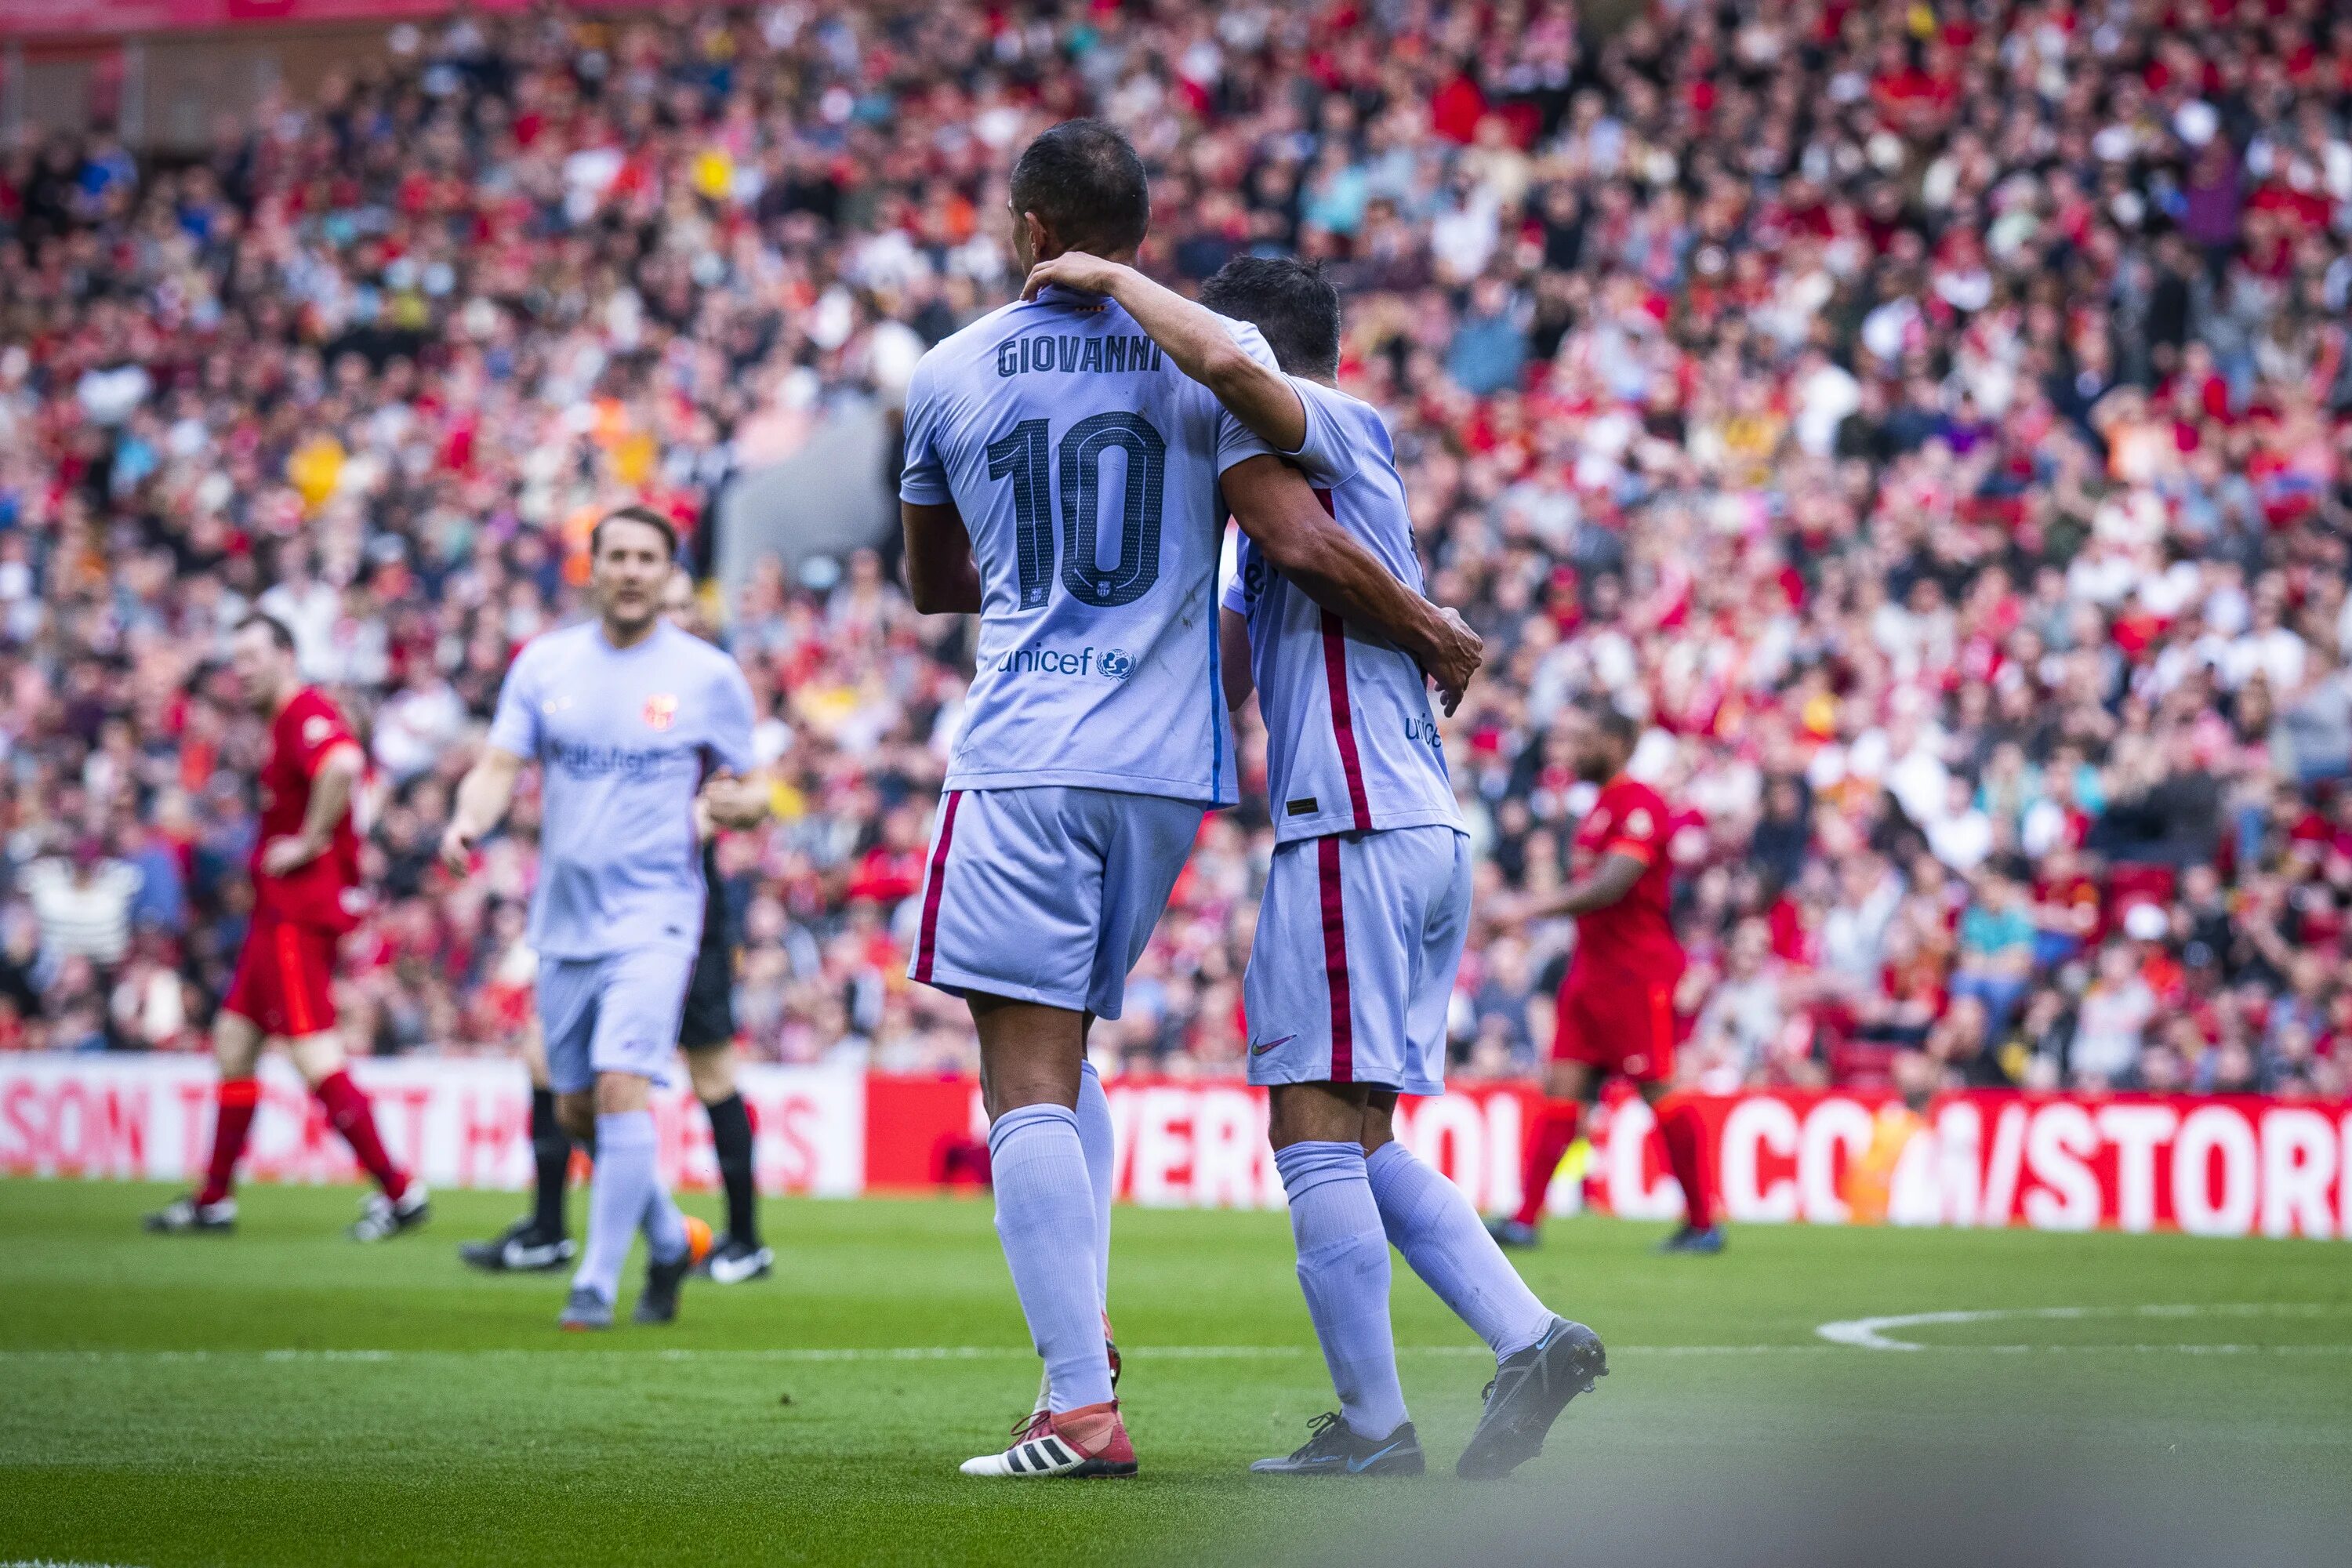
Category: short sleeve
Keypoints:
(317, 731)
(1236, 442)
(923, 481)
(1236, 598)
(1326, 452)
(730, 741)
(514, 726)
(1636, 832)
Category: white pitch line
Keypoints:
(846, 1354)
(1870, 1334)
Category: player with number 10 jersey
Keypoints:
(1085, 469)
(1069, 483)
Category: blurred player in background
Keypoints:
(1367, 900)
(1617, 1003)
(305, 895)
(541, 1239)
(631, 720)
(1094, 733)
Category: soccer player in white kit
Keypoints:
(1070, 485)
(1367, 900)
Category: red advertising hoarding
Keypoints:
(2206, 1166)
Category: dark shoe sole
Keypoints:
(1403, 1465)
(1098, 1470)
(1675, 1246)
(1513, 1433)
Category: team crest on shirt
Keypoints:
(1116, 664)
(661, 711)
(316, 729)
(1637, 822)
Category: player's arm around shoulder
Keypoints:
(1275, 507)
(1195, 337)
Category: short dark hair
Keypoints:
(1083, 180)
(632, 513)
(1289, 300)
(279, 632)
(1612, 721)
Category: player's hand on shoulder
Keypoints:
(1073, 269)
(1455, 658)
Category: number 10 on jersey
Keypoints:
(1024, 456)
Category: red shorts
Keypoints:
(284, 980)
(1625, 1026)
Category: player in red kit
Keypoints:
(306, 874)
(1617, 1004)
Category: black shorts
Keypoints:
(708, 1020)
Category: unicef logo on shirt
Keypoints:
(1116, 664)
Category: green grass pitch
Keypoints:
(285, 1397)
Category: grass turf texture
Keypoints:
(1728, 1432)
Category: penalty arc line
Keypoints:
(1871, 1333)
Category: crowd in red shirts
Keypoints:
(1932, 416)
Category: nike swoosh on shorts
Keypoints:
(1270, 1044)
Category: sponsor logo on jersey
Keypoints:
(636, 762)
(661, 711)
(1109, 663)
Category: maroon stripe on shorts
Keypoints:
(1335, 961)
(930, 930)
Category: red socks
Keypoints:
(232, 1123)
(1547, 1140)
(1554, 1129)
(1679, 1127)
(347, 1108)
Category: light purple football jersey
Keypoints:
(1085, 465)
(1351, 743)
(624, 738)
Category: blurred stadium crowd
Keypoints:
(1936, 418)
